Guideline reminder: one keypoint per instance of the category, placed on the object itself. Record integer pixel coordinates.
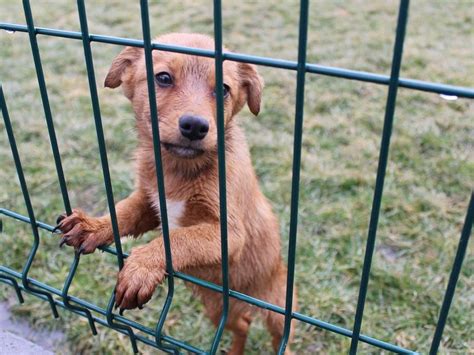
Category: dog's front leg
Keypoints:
(135, 216)
(144, 269)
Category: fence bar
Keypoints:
(420, 85)
(46, 106)
(97, 320)
(381, 170)
(29, 206)
(64, 294)
(158, 165)
(22, 218)
(237, 295)
(295, 180)
(103, 159)
(218, 62)
(453, 278)
(54, 144)
(99, 310)
(12, 282)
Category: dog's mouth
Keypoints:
(182, 151)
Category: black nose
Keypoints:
(193, 127)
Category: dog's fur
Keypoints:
(191, 183)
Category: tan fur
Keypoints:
(255, 266)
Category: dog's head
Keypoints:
(185, 94)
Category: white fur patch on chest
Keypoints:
(175, 209)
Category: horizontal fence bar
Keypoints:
(234, 294)
(357, 75)
(101, 311)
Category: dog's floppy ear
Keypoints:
(253, 83)
(119, 65)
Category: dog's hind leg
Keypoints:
(276, 322)
(238, 320)
(239, 324)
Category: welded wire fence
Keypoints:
(155, 337)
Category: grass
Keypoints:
(429, 178)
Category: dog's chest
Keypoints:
(174, 208)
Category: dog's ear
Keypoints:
(119, 65)
(253, 84)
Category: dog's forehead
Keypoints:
(190, 64)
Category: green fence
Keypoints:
(21, 282)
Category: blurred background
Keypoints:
(429, 177)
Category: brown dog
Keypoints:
(187, 118)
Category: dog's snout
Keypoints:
(193, 127)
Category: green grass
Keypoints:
(430, 172)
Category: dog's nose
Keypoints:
(193, 127)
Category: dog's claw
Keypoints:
(121, 311)
(55, 229)
(60, 218)
(80, 250)
(140, 307)
(63, 241)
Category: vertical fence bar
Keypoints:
(104, 161)
(453, 278)
(222, 174)
(29, 206)
(381, 170)
(67, 303)
(295, 183)
(46, 106)
(159, 168)
(11, 281)
(53, 140)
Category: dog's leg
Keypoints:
(193, 246)
(276, 294)
(239, 324)
(238, 320)
(135, 216)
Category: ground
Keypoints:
(429, 177)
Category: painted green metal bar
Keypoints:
(295, 180)
(237, 295)
(145, 19)
(64, 294)
(25, 219)
(53, 140)
(46, 106)
(104, 323)
(12, 282)
(381, 170)
(454, 276)
(222, 172)
(379, 79)
(104, 161)
(101, 311)
(29, 206)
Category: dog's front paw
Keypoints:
(82, 232)
(138, 279)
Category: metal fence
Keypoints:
(137, 332)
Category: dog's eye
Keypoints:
(164, 79)
(225, 90)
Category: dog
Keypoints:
(185, 93)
